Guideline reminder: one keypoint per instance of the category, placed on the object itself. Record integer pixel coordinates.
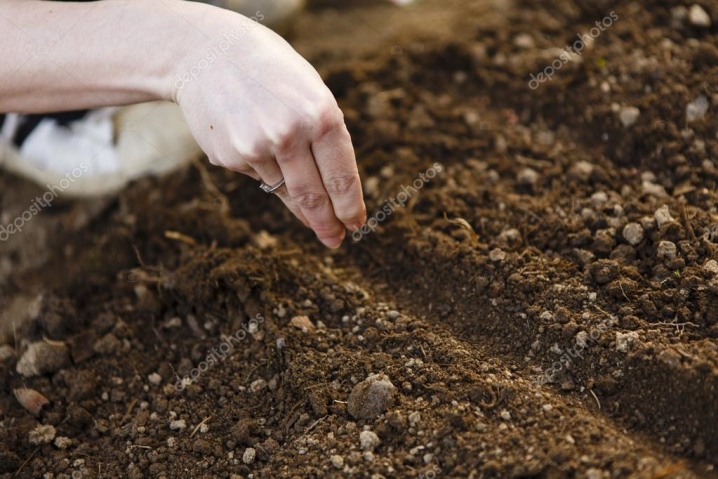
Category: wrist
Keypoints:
(213, 35)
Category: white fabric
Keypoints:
(89, 141)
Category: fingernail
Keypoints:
(356, 227)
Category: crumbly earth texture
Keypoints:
(538, 297)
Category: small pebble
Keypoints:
(663, 216)
(155, 378)
(497, 255)
(414, 418)
(633, 233)
(257, 385)
(667, 250)
(711, 266)
(371, 397)
(525, 41)
(527, 177)
(178, 425)
(337, 461)
(62, 442)
(599, 198)
(505, 415)
(698, 16)
(697, 109)
(369, 440)
(249, 455)
(629, 115)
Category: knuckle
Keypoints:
(327, 119)
(341, 184)
(310, 200)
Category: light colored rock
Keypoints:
(371, 397)
(525, 41)
(155, 378)
(337, 461)
(711, 266)
(527, 177)
(697, 109)
(249, 455)
(369, 441)
(582, 339)
(414, 418)
(698, 16)
(667, 250)
(62, 442)
(582, 170)
(663, 216)
(497, 254)
(42, 434)
(628, 115)
(633, 233)
(599, 198)
(653, 189)
(303, 323)
(178, 425)
(257, 385)
(624, 341)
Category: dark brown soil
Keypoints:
(525, 335)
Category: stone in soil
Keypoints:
(371, 397)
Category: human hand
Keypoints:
(257, 107)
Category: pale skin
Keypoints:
(259, 108)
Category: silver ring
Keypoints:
(270, 188)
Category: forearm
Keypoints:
(62, 56)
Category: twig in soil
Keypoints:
(314, 424)
(204, 421)
(177, 236)
(52, 342)
(129, 410)
(17, 473)
(687, 223)
(604, 312)
(620, 285)
(596, 398)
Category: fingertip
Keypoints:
(333, 242)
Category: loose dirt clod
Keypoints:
(42, 357)
(42, 434)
